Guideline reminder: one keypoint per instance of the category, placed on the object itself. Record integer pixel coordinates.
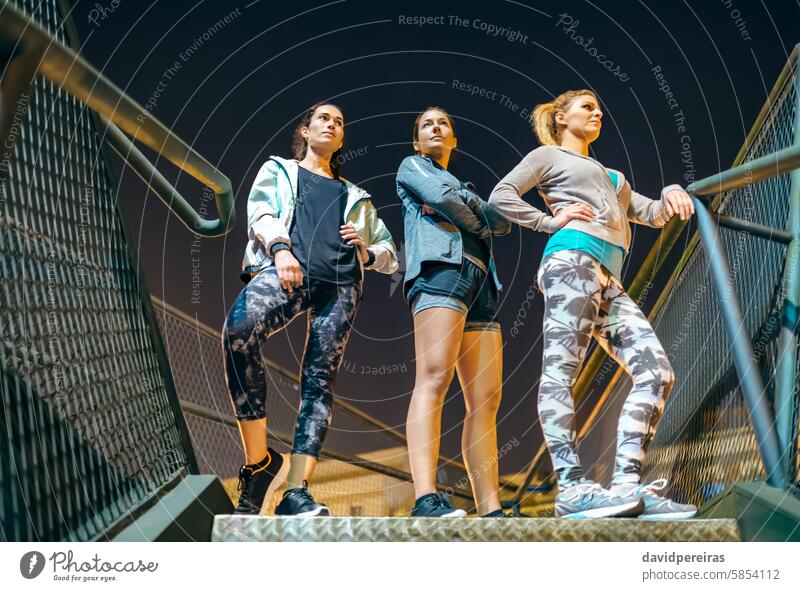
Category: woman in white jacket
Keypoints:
(311, 236)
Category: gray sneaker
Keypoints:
(656, 508)
(589, 499)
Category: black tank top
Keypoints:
(316, 242)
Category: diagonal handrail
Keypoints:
(28, 48)
(761, 169)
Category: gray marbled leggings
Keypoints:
(264, 308)
(583, 299)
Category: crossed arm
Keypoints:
(455, 202)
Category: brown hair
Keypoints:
(543, 118)
(300, 145)
(415, 133)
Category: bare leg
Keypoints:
(254, 440)
(437, 341)
(480, 371)
(302, 468)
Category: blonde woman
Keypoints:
(591, 207)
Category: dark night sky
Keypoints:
(238, 96)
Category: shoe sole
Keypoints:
(318, 512)
(247, 513)
(668, 516)
(625, 510)
(453, 513)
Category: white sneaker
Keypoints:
(589, 499)
(656, 508)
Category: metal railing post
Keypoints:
(786, 399)
(749, 375)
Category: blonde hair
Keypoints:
(543, 118)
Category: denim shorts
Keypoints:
(466, 288)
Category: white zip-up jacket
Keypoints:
(270, 209)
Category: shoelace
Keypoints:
(654, 486)
(583, 488)
(303, 493)
(243, 477)
(437, 501)
(442, 502)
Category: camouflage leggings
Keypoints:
(264, 308)
(583, 299)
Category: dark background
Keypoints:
(237, 98)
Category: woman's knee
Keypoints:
(485, 402)
(434, 379)
(661, 375)
(236, 331)
(562, 369)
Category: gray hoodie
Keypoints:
(564, 177)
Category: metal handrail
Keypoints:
(37, 51)
(761, 169)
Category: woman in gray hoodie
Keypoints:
(579, 276)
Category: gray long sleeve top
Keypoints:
(564, 177)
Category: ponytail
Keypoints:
(543, 118)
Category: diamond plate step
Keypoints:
(230, 528)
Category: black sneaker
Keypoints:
(297, 502)
(255, 480)
(435, 505)
(497, 513)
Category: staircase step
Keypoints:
(236, 528)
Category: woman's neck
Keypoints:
(575, 144)
(441, 159)
(317, 163)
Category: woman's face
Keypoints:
(435, 135)
(583, 118)
(325, 131)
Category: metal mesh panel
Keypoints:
(704, 440)
(195, 353)
(88, 426)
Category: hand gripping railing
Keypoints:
(27, 49)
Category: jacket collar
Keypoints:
(290, 168)
(621, 180)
